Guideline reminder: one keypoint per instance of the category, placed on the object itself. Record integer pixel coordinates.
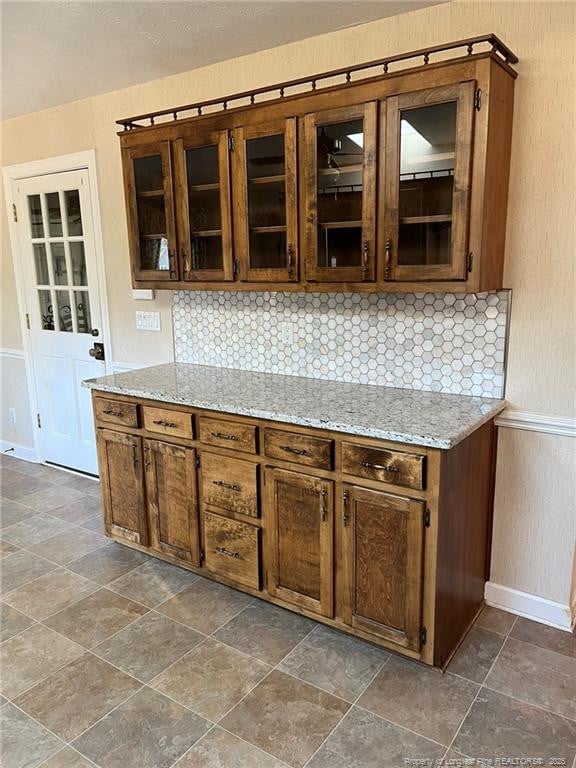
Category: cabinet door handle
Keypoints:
(171, 263)
(346, 511)
(186, 258)
(387, 258)
(290, 260)
(223, 436)
(109, 412)
(147, 462)
(229, 486)
(365, 255)
(134, 456)
(164, 423)
(324, 512)
(296, 451)
(385, 467)
(228, 553)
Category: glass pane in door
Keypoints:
(46, 310)
(339, 172)
(427, 148)
(149, 184)
(65, 322)
(59, 264)
(35, 212)
(205, 215)
(82, 309)
(73, 215)
(41, 264)
(54, 214)
(78, 263)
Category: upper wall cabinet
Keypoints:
(394, 182)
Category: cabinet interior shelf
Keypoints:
(161, 236)
(341, 224)
(206, 233)
(263, 230)
(152, 193)
(443, 218)
(204, 187)
(341, 169)
(267, 179)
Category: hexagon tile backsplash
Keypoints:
(452, 343)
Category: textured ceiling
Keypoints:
(55, 51)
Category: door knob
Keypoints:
(97, 351)
(95, 332)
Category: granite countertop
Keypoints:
(403, 415)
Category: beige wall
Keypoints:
(540, 243)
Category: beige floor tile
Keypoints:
(78, 695)
(153, 582)
(9, 475)
(205, 605)
(11, 512)
(12, 622)
(211, 679)
(476, 654)
(363, 740)
(541, 677)
(220, 749)
(50, 593)
(20, 568)
(93, 619)
(500, 727)
(32, 656)
(22, 486)
(545, 637)
(80, 511)
(147, 731)
(495, 620)
(419, 698)
(336, 662)
(83, 484)
(147, 646)
(286, 717)
(265, 631)
(95, 523)
(24, 743)
(6, 548)
(71, 545)
(67, 758)
(50, 497)
(108, 563)
(35, 529)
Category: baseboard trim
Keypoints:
(18, 451)
(536, 422)
(529, 606)
(11, 352)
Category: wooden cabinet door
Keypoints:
(150, 211)
(383, 552)
(122, 478)
(202, 178)
(265, 201)
(338, 172)
(427, 179)
(172, 500)
(299, 530)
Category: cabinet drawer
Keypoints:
(232, 550)
(167, 422)
(406, 469)
(115, 412)
(302, 449)
(229, 484)
(227, 434)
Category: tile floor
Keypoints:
(112, 659)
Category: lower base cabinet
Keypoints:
(232, 550)
(120, 463)
(299, 514)
(383, 548)
(172, 496)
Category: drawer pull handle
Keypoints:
(224, 551)
(223, 436)
(385, 467)
(110, 412)
(164, 423)
(297, 451)
(229, 486)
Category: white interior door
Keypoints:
(56, 233)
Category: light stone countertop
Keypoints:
(403, 415)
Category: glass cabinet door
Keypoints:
(266, 232)
(150, 205)
(203, 201)
(427, 183)
(340, 194)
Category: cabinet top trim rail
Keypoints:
(278, 91)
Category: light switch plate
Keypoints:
(147, 321)
(143, 294)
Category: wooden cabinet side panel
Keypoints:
(465, 509)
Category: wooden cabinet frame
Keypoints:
(308, 172)
(241, 135)
(161, 148)
(187, 270)
(463, 94)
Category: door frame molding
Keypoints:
(12, 174)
